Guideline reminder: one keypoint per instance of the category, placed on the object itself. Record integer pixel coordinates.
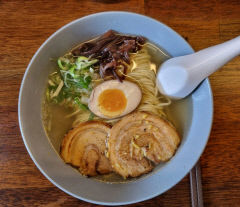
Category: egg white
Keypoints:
(131, 91)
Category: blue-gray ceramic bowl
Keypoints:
(194, 114)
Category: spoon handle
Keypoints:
(207, 61)
(179, 76)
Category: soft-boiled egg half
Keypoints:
(112, 99)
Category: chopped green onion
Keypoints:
(87, 79)
(91, 70)
(71, 71)
(92, 62)
(63, 63)
(81, 106)
(91, 116)
(83, 63)
(60, 64)
(71, 83)
(81, 58)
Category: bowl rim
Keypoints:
(20, 104)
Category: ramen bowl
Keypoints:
(193, 114)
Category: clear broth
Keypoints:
(57, 124)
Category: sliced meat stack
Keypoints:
(135, 145)
(139, 141)
(84, 147)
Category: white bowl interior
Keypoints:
(194, 113)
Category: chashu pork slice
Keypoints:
(84, 147)
(139, 141)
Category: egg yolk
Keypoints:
(112, 102)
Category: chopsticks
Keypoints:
(196, 186)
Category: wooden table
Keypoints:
(24, 25)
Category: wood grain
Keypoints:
(24, 25)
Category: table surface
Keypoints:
(25, 25)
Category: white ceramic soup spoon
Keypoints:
(179, 76)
